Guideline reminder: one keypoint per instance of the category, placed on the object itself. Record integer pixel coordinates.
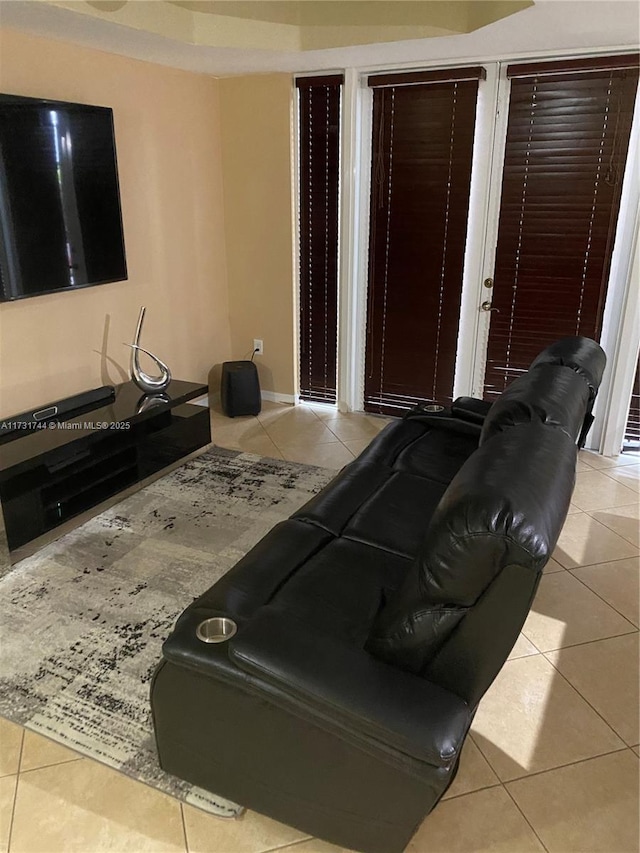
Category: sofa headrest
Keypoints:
(505, 506)
(583, 355)
(551, 394)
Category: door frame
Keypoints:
(355, 183)
(621, 323)
(484, 213)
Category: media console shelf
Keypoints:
(50, 474)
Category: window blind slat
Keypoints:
(568, 66)
(421, 171)
(412, 78)
(319, 117)
(567, 140)
(324, 80)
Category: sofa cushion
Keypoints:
(338, 589)
(506, 506)
(395, 516)
(333, 507)
(440, 453)
(254, 580)
(386, 497)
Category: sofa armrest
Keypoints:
(363, 695)
(470, 409)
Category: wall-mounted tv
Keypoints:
(60, 216)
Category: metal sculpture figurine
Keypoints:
(149, 384)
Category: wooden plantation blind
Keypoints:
(319, 164)
(423, 129)
(567, 139)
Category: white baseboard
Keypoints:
(276, 397)
(271, 396)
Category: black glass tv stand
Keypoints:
(59, 469)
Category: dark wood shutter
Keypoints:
(319, 163)
(422, 145)
(567, 139)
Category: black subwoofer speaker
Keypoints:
(240, 389)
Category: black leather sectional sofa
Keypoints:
(371, 623)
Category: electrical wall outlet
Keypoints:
(258, 346)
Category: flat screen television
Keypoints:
(60, 215)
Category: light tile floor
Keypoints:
(552, 762)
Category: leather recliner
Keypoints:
(371, 623)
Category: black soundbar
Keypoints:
(58, 410)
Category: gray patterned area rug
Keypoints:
(83, 620)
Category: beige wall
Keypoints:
(167, 126)
(256, 162)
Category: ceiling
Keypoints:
(463, 15)
(293, 25)
(224, 37)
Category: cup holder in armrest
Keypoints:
(218, 629)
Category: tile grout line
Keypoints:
(270, 439)
(624, 485)
(590, 511)
(263, 435)
(323, 444)
(562, 675)
(568, 764)
(512, 798)
(184, 827)
(607, 467)
(522, 657)
(548, 769)
(503, 784)
(601, 562)
(348, 449)
(538, 651)
(633, 630)
(575, 646)
(486, 757)
(291, 844)
(605, 471)
(635, 627)
(15, 793)
(609, 506)
(497, 784)
(631, 466)
(58, 764)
